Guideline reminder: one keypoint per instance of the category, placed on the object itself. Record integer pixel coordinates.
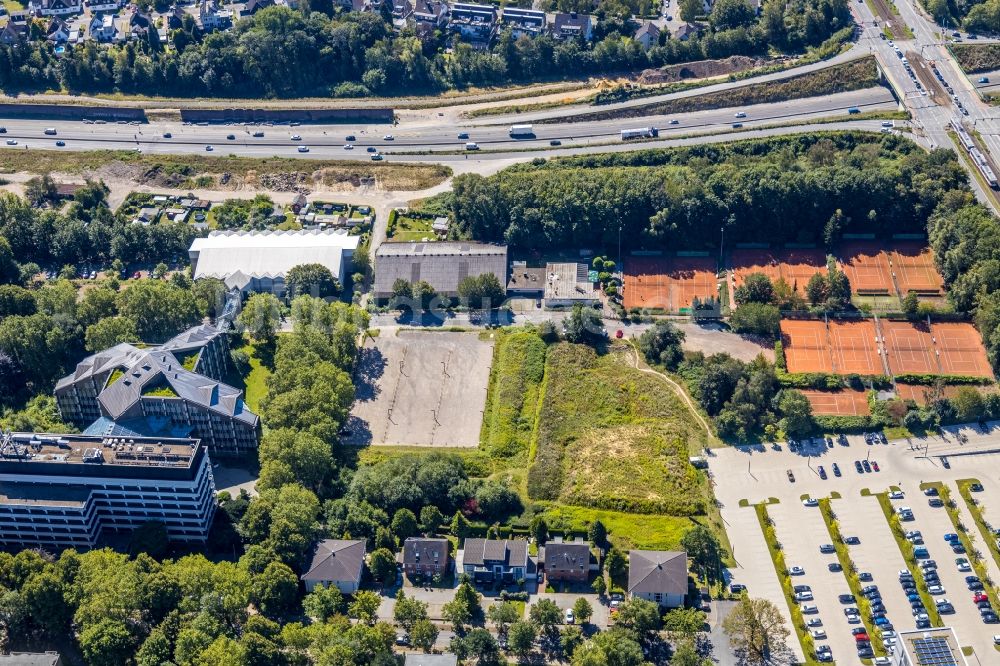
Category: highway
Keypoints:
(426, 144)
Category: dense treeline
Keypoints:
(798, 189)
(281, 52)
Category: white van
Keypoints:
(471, 146)
(50, 130)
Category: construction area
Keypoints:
(668, 283)
(420, 388)
(882, 347)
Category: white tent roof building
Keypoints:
(259, 260)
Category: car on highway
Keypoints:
(258, 134)
(167, 135)
(348, 146)
(60, 143)
(51, 131)
(11, 142)
(463, 135)
(3, 130)
(555, 142)
(372, 149)
(674, 121)
(740, 114)
(984, 79)
(209, 148)
(296, 137)
(377, 158)
(737, 125)
(388, 137)
(230, 137)
(303, 149)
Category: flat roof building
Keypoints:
(568, 284)
(259, 260)
(443, 265)
(65, 491)
(928, 647)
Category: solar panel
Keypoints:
(933, 652)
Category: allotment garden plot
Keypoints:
(421, 389)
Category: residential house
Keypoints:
(648, 35)
(572, 26)
(55, 7)
(336, 562)
(34, 659)
(211, 17)
(96, 6)
(254, 6)
(139, 25)
(496, 561)
(57, 31)
(566, 561)
(430, 13)
(659, 576)
(685, 31)
(528, 22)
(476, 23)
(425, 558)
(14, 32)
(175, 18)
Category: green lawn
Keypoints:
(625, 530)
(408, 228)
(512, 400)
(256, 381)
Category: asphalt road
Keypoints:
(421, 144)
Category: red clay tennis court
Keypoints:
(867, 267)
(960, 349)
(914, 266)
(668, 283)
(855, 348)
(805, 346)
(845, 402)
(909, 348)
(795, 266)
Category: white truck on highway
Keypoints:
(640, 133)
(520, 131)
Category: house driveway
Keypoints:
(565, 600)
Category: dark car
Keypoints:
(846, 598)
(866, 465)
(372, 149)
(857, 466)
(958, 548)
(791, 477)
(167, 135)
(834, 566)
(990, 618)
(231, 137)
(737, 588)
(822, 472)
(836, 469)
(852, 541)
(976, 487)
(865, 577)
(555, 142)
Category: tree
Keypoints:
(545, 615)
(969, 404)
(109, 332)
(521, 638)
(305, 456)
(615, 564)
(424, 295)
(261, 316)
(502, 614)
(40, 190)
(598, 534)
(382, 564)
(457, 612)
(704, 550)
(401, 291)
(727, 14)
(661, 344)
(159, 309)
(423, 634)
(684, 623)
(796, 413)
(817, 289)
(910, 304)
(690, 10)
(408, 611)
(583, 324)
(599, 586)
(686, 654)
(570, 638)
(107, 643)
(497, 501)
(460, 526)
(757, 287)
(404, 524)
(639, 615)
(479, 645)
(365, 606)
(539, 529)
(481, 292)
(276, 589)
(312, 279)
(582, 610)
(761, 319)
(324, 602)
(431, 519)
(757, 631)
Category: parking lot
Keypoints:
(801, 531)
(755, 474)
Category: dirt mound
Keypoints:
(701, 69)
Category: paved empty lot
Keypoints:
(419, 388)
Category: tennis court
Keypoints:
(913, 264)
(845, 402)
(668, 283)
(960, 349)
(805, 345)
(795, 266)
(855, 348)
(867, 267)
(909, 348)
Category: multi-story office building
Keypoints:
(65, 491)
(167, 391)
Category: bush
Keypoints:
(779, 355)
(756, 319)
